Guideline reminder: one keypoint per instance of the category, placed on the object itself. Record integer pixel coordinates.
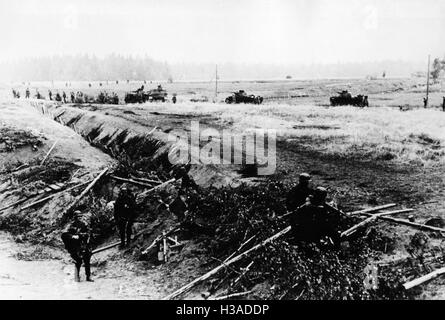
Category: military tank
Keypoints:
(344, 98)
(242, 97)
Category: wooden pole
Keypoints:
(425, 278)
(233, 295)
(428, 82)
(216, 83)
(385, 206)
(84, 193)
(137, 183)
(49, 152)
(372, 217)
(189, 286)
(411, 224)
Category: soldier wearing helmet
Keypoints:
(312, 222)
(125, 214)
(76, 238)
(299, 194)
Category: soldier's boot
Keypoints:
(77, 272)
(128, 232)
(88, 270)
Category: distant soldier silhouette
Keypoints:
(27, 93)
(50, 95)
(443, 104)
(14, 94)
(425, 102)
(73, 97)
(64, 97)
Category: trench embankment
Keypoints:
(139, 140)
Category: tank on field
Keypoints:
(242, 97)
(141, 96)
(344, 98)
(158, 94)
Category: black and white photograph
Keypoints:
(242, 152)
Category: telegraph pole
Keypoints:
(428, 82)
(216, 82)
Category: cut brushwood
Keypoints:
(212, 272)
(423, 279)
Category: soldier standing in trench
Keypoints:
(76, 238)
(124, 214)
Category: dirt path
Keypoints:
(53, 278)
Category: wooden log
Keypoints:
(214, 271)
(423, 279)
(371, 218)
(137, 183)
(84, 193)
(49, 152)
(369, 210)
(53, 195)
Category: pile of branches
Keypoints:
(244, 216)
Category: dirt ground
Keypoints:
(365, 157)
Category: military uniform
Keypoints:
(312, 222)
(76, 238)
(299, 194)
(124, 214)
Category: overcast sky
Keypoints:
(217, 31)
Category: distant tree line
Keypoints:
(438, 67)
(85, 67)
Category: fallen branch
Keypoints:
(53, 195)
(84, 193)
(371, 218)
(49, 152)
(425, 278)
(217, 269)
